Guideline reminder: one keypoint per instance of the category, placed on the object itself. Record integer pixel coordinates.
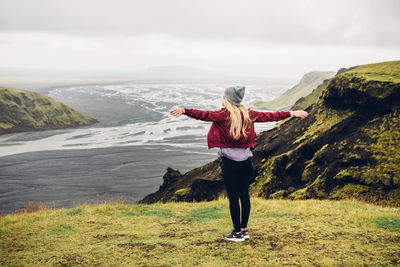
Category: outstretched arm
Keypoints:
(204, 115)
(259, 116)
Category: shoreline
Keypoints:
(22, 129)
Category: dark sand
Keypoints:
(65, 178)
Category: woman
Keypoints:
(232, 130)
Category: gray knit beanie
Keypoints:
(235, 94)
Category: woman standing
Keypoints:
(232, 130)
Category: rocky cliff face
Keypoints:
(203, 183)
(348, 147)
(22, 110)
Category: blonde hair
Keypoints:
(237, 126)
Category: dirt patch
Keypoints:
(257, 240)
(180, 221)
(167, 235)
(142, 246)
(105, 236)
(167, 245)
(215, 243)
(167, 224)
(175, 234)
(97, 223)
(71, 260)
(184, 234)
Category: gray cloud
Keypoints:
(361, 22)
(284, 38)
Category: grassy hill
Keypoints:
(306, 101)
(306, 85)
(348, 147)
(22, 110)
(282, 232)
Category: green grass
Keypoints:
(206, 214)
(161, 213)
(388, 222)
(283, 232)
(385, 71)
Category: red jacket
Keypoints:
(219, 136)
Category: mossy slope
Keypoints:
(306, 85)
(22, 110)
(348, 146)
(345, 148)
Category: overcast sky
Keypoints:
(284, 38)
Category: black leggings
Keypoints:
(236, 176)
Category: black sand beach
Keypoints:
(66, 178)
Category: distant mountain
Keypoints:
(347, 147)
(306, 85)
(22, 110)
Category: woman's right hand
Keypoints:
(177, 112)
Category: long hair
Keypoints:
(237, 126)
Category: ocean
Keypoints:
(124, 155)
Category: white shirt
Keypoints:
(236, 154)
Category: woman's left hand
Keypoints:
(177, 112)
(300, 113)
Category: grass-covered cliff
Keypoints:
(282, 233)
(22, 110)
(306, 85)
(304, 102)
(348, 147)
